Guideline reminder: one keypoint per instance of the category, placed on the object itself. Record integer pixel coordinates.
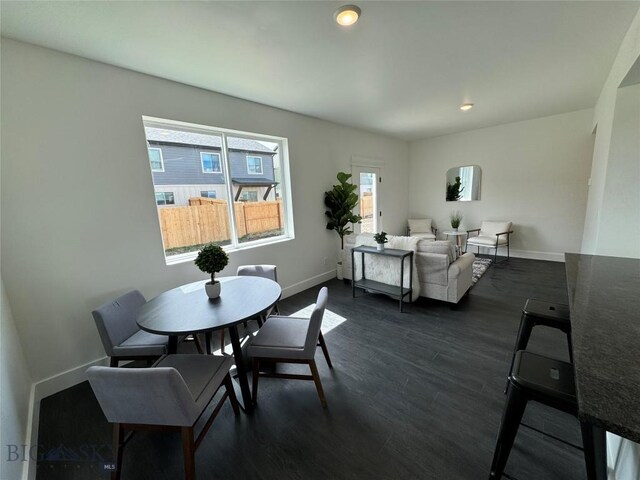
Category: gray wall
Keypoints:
(182, 165)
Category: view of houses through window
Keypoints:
(198, 172)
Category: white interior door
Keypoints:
(368, 181)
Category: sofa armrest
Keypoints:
(463, 263)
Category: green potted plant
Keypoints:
(456, 219)
(381, 239)
(341, 202)
(211, 259)
(454, 191)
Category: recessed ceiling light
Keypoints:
(347, 15)
(466, 107)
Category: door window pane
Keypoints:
(367, 202)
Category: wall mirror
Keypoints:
(463, 183)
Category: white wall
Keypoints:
(78, 210)
(603, 120)
(619, 232)
(534, 173)
(15, 389)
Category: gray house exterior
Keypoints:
(186, 165)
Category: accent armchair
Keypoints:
(172, 395)
(422, 228)
(121, 337)
(291, 340)
(490, 235)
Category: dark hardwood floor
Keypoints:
(412, 395)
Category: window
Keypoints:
(165, 198)
(254, 165)
(240, 217)
(249, 196)
(155, 159)
(210, 162)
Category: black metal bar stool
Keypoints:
(550, 382)
(538, 312)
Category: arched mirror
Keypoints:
(463, 183)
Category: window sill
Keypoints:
(191, 256)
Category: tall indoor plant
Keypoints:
(212, 259)
(341, 202)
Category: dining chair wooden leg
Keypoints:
(228, 384)
(222, 341)
(188, 450)
(113, 362)
(256, 374)
(207, 342)
(316, 380)
(259, 320)
(118, 441)
(323, 345)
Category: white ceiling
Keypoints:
(403, 69)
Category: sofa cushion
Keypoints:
(482, 241)
(443, 247)
(424, 236)
(419, 225)
(490, 229)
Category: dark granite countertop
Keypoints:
(604, 298)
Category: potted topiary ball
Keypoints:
(211, 259)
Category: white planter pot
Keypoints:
(454, 229)
(339, 271)
(380, 246)
(212, 289)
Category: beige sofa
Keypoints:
(441, 275)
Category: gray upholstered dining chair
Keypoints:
(172, 395)
(121, 337)
(291, 340)
(264, 271)
(490, 235)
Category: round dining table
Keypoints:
(187, 310)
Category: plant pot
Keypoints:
(380, 246)
(454, 229)
(212, 289)
(339, 271)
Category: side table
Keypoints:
(366, 284)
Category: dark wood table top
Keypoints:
(187, 309)
(604, 299)
(389, 252)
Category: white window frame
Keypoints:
(165, 199)
(161, 159)
(285, 183)
(261, 165)
(202, 162)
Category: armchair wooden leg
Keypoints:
(323, 345)
(198, 343)
(228, 385)
(118, 441)
(256, 374)
(316, 380)
(188, 450)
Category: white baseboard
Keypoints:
(533, 255)
(43, 389)
(308, 283)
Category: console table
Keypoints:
(374, 286)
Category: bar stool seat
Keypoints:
(541, 313)
(545, 380)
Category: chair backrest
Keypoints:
(264, 271)
(116, 320)
(490, 229)
(419, 225)
(148, 396)
(315, 322)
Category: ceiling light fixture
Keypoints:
(466, 107)
(347, 15)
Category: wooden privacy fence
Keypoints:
(207, 220)
(366, 205)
